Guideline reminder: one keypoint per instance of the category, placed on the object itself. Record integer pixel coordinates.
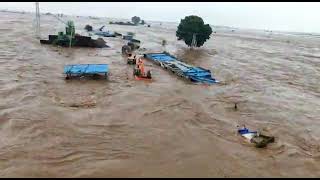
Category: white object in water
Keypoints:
(249, 136)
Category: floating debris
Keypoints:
(258, 139)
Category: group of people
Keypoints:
(139, 63)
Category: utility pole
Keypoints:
(37, 20)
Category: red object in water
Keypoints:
(142, 78)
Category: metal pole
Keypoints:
(70, 39)
(37, 20)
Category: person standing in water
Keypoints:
(140, 66)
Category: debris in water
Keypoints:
(258, 139)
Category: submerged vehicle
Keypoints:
(131, 59)
(70, 38)
(100, 32)
(130, 47)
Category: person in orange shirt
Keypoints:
(140, 66)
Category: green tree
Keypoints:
(143, 22)
(193, 25)
(135, 20)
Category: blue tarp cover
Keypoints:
(161, 57)
(246, 131)
(86, 68)
(196, 74)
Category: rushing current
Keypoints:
(50, 127)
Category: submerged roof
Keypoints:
(86, 68)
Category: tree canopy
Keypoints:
(191, 25)
(135, 19)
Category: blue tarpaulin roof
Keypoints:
(161, 57)
(245, 131)
(196, 74)
(86, 68)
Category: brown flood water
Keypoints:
(167, 128)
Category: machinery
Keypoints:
(130, 47)
(103, 33)
(66, 39)
(70, 38)
(132, 44)
(131, 58)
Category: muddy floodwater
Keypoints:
(50, 127)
